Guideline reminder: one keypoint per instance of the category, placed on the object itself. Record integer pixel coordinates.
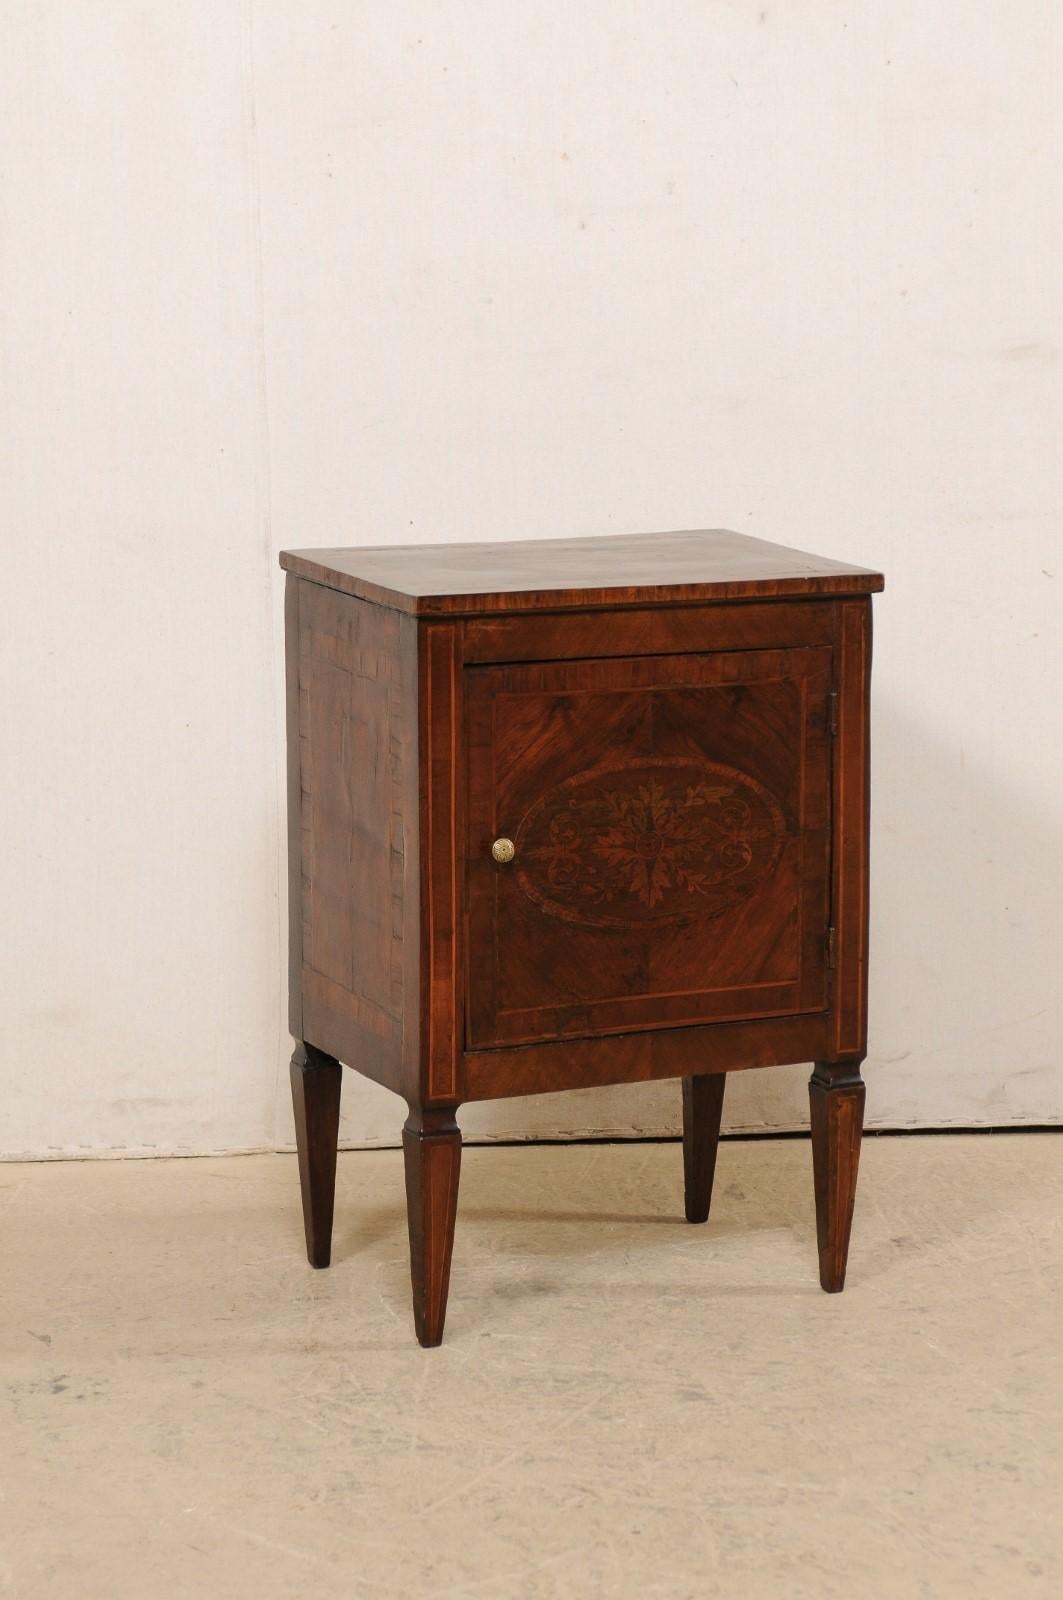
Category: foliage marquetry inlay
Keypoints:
(655, 841)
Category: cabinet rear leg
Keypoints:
(431, 1144)
(316, 1102)
(702, 1109)
(836, 1100)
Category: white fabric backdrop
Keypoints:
(284, 274)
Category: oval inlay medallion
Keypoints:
(649, 842)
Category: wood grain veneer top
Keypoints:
(576, 574)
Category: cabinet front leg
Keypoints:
(316, 1081)
(836, 1100)
(702, 1109)
(431, 1143)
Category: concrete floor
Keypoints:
(624, 1405)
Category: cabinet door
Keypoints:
(671, 823)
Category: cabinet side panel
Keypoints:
(356, 753)
(292, 589)
(852, 816)
(442, 824)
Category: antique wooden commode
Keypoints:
(575, 812)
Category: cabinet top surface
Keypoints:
(562, 574)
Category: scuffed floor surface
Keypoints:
(624, 1405)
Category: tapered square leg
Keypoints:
(836, 1099)
(316, 1081)
(431, 1143)
(702, 1109)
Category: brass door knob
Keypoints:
(503, 850)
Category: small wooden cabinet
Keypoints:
(565, 813)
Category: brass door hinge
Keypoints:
(834, 713)
(832, 947)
